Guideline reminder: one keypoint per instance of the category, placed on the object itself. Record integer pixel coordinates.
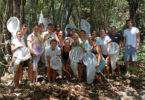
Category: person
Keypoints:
(57, 29)
(94, 34)
(107, 28)
(52, 50)
(131, 44)
(61, 39)
(78, 43)
(47, 36)
(97, 52)
(16, 48)
(84, 40)
(33, 67)
(65, 58)
(103, 41)
(115, 38)
(24, 29)
(41, 28)
(69, 33)
(74, 31)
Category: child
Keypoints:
(52, 50)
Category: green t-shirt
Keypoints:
(80, 44)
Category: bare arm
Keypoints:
(138, 41)
(48, 61)
(29, 46)
(99, 54)
(14, 48)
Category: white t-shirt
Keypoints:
(131, 38)
(50, 52)
(103, 43)
(17, 43)
(48, 37)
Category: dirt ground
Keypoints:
(129, 88)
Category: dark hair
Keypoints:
(50, 24)
(128, 20)
(41, 24)
(113, 27)
(83, 31)
(35, 26)
(68, 28)
(102, 29)
(53, 40)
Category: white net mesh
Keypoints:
(55, 63)
(13, 25)
(113, 51)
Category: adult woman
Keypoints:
(103, 41)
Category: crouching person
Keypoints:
(52, 50)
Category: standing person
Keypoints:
(115, 38)
(33, 67)
(41, 28)
(65, 58)
(94, 34)
(107, 28)
(16, 48)
(131, 43)
(103, 41)
(52, 50)
(61, 39)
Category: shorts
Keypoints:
(101, 66)
(25, 63)
(64, 61)
(130, 52)
(105, 56)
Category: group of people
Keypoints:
(55, 42)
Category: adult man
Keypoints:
(115, 38)
(131, 43)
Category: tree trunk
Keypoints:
(133, 6)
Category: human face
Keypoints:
(106, 24)
(82, 34)
(60, 36)
(94, 34)
(35, 30)
(129, 24)
(90, 41)
(113, 30)
(53, 45)
(67, 43)
(24, 29)
(58, 28)
(50, 28)
(19, 35)
(69, 31)
(76, 38)
(102, 33)
(73, 31)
